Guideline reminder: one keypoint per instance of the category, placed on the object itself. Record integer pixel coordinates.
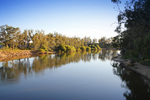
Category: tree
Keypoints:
(102, 41)
(94, 40)
(8, 35)
(136, 20)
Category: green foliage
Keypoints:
(44, 48)
(83, 48)
(93, 47)
(41, 50)
(88, 49)
(62, 48)
(134, 40)
(73, 49)
(70, 48)
(66, 48)
(6, 48)
(105, 42)
(49, 49)
(78, 49)
(13, 38)
(97, 46)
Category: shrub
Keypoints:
(98, 47)
(83, 48)
(73, 49)
(41, 50)
(78, 49)
(62, 48)
(66, 48)
(44, 48)
(88, 49)
(95, 47)
(70, 48)
(49, 49)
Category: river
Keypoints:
(76, 76)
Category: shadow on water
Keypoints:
(137, 88)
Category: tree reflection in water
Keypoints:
(13, 69)
(137, 88)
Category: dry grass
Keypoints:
(10, 50)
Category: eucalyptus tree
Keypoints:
(94, 40)
(136, 20)
(51, 40)
(8, 35)
(27, 37)
(39, 40)
(82, 42)
(102, 41)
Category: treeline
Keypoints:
(135, 38)
(12, 37)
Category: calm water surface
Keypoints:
(77, 76)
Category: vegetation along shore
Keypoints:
(13, 42)
(134, 36)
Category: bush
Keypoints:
(41, 50)
(88, 49)
(66, 48)
(49, 49)
(83, 48)
(44, 48)
(78, 49)
(98, 47)
(70, 48)
(95, 47)
(73, 49)
(62, 48)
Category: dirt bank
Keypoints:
(138, 68)
(10, 55)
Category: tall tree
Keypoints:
(136, 20)
(8, 35)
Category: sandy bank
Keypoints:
(10, 55)
(138, 68)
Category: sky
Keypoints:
(80, 18)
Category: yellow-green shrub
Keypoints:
(83, 48)
(88, 49)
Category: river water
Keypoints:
(76, 76)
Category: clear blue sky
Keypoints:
(79, 18)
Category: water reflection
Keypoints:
(96, 82)
(13, 69)
(137, 88)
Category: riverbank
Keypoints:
(6, 55)
(137, 68)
